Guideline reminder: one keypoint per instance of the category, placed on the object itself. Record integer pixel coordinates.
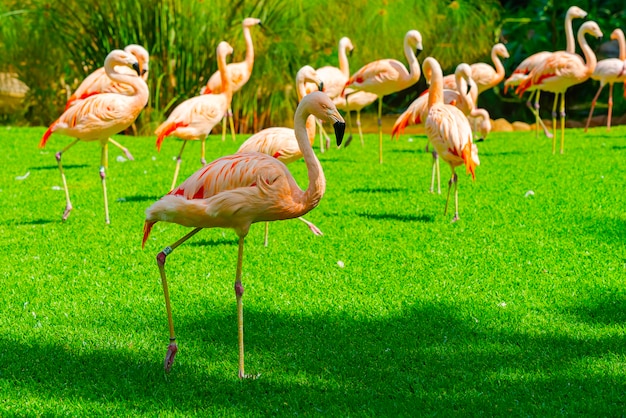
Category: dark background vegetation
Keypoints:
(53, 45)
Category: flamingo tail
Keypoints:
(470, 165)
(401, 123)
(147, 227)
(45, 137)
(164, 130)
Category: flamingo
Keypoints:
(562, 70)
(194, 118)
(239, 73)
(97, 117)
(238, 190)
(334, 78)
(610, 70)
(387, 76)
(526, 66)
(449, 131)
(354, 100)
(281, 143)
(99, 82)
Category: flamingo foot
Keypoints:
(172, 349)
(456, 218)
(327, 143)
(203, 161)
(129, 155)
(248, 376)
(67, 211)
(315, 230)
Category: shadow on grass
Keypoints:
(397, 217)
(56, 167)
(433, 357)
(35, 222)
(139, 198)
(379, 190)
(215, 242)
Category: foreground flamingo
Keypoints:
(562, 70)
(99, 82)
(239, 74)
(387, 76)
(238, 190)
(449, 131)
(194, 118)
(526, 66)
(281, 143)
(610, 70)
(98, 117)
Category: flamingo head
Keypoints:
(121, 58)
(501, 50)
(576, 12)
(251, 21)
(142, 56)
(322, 107)
(414, 38)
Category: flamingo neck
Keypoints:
(590, 57)
(569, 34)
(249, 48)
(310, 129)
(498, 65)
(139, 86)
(344, 66)
(317, 182)
(414, 65)
(622, 45)
(227, 88)
(435, 92)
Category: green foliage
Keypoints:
(68, 39)
(518, 309)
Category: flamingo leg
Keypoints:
(123, 148)
(231, 121)
(103, 164)
(178, 161)
(593, 105)
(358, 125)
(456, 198)
(224, 126)
(562, 114)
(556, 100)
(608, 122)
(203, 152)
(68, 203)
(349, 127)
(311, 226)
(161, 258)
(324, 138)
(445, 211)
(239, 293)
(380, 129)
(267, 231)
(535, 110)
(435, 173)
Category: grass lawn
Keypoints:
(517, 309)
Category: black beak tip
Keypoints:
(468, 90)
(320, 86)
(340, 129)
(418, 51)
(136, 68)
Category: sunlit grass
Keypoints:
(517, 309)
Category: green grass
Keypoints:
(518, 309)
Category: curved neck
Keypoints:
(317, 181)
(138, 85)
(435, 92)
(590, 57)
(498, 65)
(227, 88)
(344, 66)
(249, 48)
(414, 65)
(301, 88)
(622, 45)
(569, 34)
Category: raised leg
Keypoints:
(608, 122)
(172, 348)
(178, 161)
(103, 164)
(68, 204)
(535, 110)
(123, 148)
(593, 105)
(380, 129)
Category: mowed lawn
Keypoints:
(517, 309)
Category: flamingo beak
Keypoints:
(136, 68)
(468, 89)
(320, 86)
(340, 128)
(417, 51)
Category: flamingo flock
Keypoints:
(254, 184)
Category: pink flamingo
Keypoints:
(194, 118)
(99, 82)
(334, 79)
(562, 70)
(610, 70)
(238, 190)
(387, 76)
(449, 131)
(239, 73)
(281, 143)
(97, 117)
(526, 66)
